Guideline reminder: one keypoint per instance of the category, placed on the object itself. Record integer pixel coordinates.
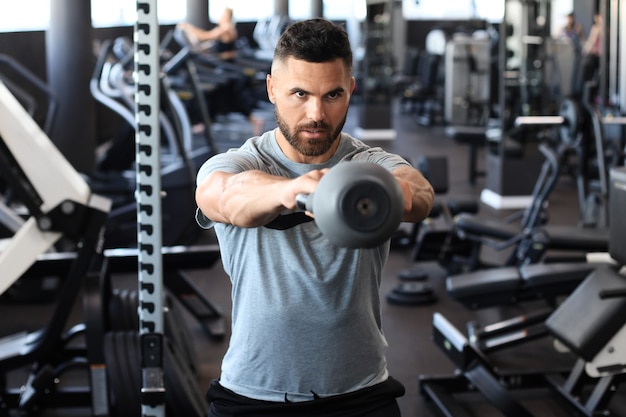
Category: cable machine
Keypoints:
(514, 161)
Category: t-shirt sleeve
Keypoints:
(378, 156)
(234, 162)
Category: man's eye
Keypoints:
(300, 93)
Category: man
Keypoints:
(306, 328)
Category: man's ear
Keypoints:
(270, 88)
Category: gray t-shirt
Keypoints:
(306, 314)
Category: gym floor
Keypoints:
(412, 352)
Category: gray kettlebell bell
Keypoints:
(356, 204)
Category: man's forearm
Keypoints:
(418, 194)
(247, 199)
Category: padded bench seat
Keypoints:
(497, 286)
(486, 287)
(584, 322)
(576, 238)
(481, 226)
(560, 237)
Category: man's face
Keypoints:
(311, 103)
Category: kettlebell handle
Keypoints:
(303, 202)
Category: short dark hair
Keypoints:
(314, 40)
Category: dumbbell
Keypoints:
(356, 204)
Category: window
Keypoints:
(35, 14)
(24, 15)
(105, 13)
(453, 10)
(243, 10)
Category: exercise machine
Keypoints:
(218, 89)
(528, 230)
(112, 86)
(61, 206)
(589, 323)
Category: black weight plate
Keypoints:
(415, 273)
(122, 312)
(112, 369)
(126, 352)
(177, 330)
(123, 361)
(125, 317)
(183, 396)
(413, 288)
(133, 373)
(133, 311)
(412, 293)
(113, 308)
(122, 388)
(130, 313)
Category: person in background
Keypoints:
(306, 332)
(574, 31)
(592, 50)
(223, 39)
(223, 36)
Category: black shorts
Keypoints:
(375, 401)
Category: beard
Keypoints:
(310, 147)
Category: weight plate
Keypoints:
(123, 374)
(133, 357)
(413, 288)
(177, 330)
(113, 308)
(123, 316)
(411, 294)
(570, 112)
(182, 394)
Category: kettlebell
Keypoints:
(356, 204)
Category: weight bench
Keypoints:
(591, 322)
(509, 285)
(560, 237)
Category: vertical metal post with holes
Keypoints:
(148, 195)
